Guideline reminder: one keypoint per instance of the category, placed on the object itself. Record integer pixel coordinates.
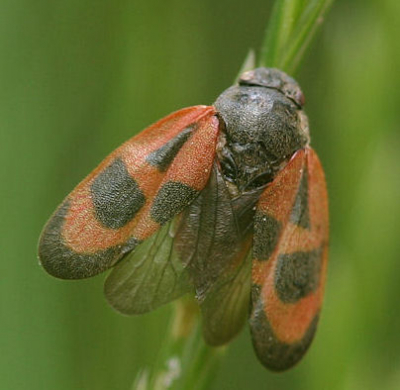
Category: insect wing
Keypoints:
(139, 187)
(290, 259)
(226, 306)
(149, 276)
(213, 241)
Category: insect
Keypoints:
(227, 201)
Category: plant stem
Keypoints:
(185, 361)
(291, 28)
(282, 21)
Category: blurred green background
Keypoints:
(79, 77)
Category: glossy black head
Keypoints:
(263, 124)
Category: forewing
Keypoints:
(139, 187)
(290, 259)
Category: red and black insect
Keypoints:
(227, 201)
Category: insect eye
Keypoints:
(301, 98)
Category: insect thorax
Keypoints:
(262, 125)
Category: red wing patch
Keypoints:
(290, 259)
(136, 189)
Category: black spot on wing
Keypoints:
(266, 234)
(170, 200)
(272, 353)
(300, 213)
(116, 196)
(297, 275)
(163, 157)
(62, 262)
